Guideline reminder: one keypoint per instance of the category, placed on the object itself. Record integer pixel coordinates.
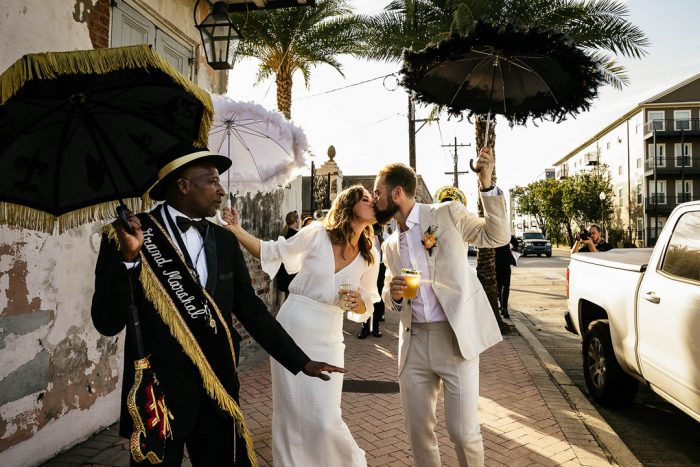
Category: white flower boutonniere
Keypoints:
(430, 239)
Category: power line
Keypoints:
(370, 125)
(343, 87)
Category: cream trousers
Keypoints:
(433, 356)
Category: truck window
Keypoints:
(682, 257)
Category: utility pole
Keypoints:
(456, 173)
(412, 131)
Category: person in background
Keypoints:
(450, 193)
(590, 241)
(372, 324)
(504, 260)
(291, 227)
(307, 220)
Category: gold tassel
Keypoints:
(29, 218)
(49, 65)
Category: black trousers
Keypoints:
(212, 443)
(503, 282)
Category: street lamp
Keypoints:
(220, 37)
(602, 210)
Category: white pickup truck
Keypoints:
(638, 313)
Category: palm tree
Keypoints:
(296, 39)
(599, 27)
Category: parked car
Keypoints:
(534, 243)
(637, 313)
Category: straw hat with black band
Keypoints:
(176, 158)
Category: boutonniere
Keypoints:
(430, 239)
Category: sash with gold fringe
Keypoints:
(186, 308)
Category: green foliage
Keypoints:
(581, 197)
(287, 40)
(572, 203)
(599, 27)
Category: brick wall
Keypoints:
(98, 24)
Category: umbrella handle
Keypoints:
(121, 213)
(471, 166)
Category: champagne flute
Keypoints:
(345, 288)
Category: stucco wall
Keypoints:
(59, 379)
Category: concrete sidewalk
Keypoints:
(527, 417)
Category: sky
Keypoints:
(368, 126)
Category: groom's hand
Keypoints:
(317, 369)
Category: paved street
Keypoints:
(526, 419)
(654, 430)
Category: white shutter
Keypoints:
(175, 53)
(129, 27)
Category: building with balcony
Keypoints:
(652, 157)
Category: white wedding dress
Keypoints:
(307, 426)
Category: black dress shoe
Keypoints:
(377, 333)
(364, 332)
(505, 314)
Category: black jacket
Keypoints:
(230, 286)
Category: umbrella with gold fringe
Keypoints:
(80, 133)
(80, 130)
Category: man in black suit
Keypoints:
(203, 420)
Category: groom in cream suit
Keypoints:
(450, 322)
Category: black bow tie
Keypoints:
(184, 223)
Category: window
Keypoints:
(682, 257)
(607, 145)
(639, 162)
(640, 193)
(681, 120)
(684, 191)
(683, 155)
(640, 228)
(657, 119)
(619, 196)
(660, 153)
(129, 27)
(619, 170)
(657, 194)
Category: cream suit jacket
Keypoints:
(454, 282)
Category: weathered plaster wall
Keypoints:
(59, 379)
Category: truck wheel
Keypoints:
(549, 255)
(606, 381)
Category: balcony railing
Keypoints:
(662, 203)
(673, 163)
(666, 125)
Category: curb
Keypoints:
(617, 451)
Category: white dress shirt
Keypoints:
(194, 242)
(425, 307)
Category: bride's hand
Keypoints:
(353, 302)
(231, 216)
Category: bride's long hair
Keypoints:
(338, 222)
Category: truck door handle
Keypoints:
(651, 297)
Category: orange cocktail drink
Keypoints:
(412, 277)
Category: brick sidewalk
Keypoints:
(525, 418)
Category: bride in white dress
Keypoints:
(307, 426)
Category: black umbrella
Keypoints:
(519, 74)
(79, 133)
(80, 130)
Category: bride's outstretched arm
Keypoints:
(249, 242)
